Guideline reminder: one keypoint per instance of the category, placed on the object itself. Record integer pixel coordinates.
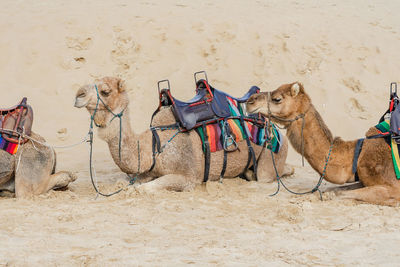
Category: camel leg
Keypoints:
(265, 168)
(34, 172)
(173, 182)
(377, 194)
(345, 187)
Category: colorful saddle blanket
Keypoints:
(384, 129)
(7, 146)
(256, 133)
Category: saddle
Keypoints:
(208, 104)
(16, 121)
(219, 119)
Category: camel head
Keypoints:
(286, 102)
(112, 92)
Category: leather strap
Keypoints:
(155, 144)
(252, 155)
(221, 176)
(357, 152)
(206, 154)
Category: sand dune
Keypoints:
(345, 53)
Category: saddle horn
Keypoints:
(163, 81)
(197, 73)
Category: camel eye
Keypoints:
(105, 93)
(277, 100)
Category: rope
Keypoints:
(132, 180)
(316, 187)
(278, 178)
(24, 136)
(118, 115)
(169, 141)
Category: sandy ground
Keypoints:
(345, 52)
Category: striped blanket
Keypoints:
(8, 146)
(256, 134)
(384, 128)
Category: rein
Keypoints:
(278, 178)
(300, 116)
(132, 180)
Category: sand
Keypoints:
(345, 53)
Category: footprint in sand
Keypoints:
(79, 43)
(356, 109)
(353, 84)
(125, 52)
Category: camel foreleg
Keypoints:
(377, 194)
(173, 182)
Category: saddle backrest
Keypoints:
(208, 103)
(16, 121)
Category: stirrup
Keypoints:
(228, 142)
(396, 138)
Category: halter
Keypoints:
(118, 115)
(300, 116)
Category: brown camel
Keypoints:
(181, 165)
(31, 171)
(289, 103)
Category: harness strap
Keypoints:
(252, 155)
(221, 176)
(206, 154)
(152, 116)
(357, 152)
(155, 144)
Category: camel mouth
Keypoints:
(80, 104)
(253, 110)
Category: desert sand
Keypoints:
(346, 53)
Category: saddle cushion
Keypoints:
(209, 103)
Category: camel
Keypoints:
(180, 166)
(31, 171)
(289, 104)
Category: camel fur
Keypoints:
(181, 165)
(31, 171)
(375, 166)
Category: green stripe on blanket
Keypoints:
(384, 127)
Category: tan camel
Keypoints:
(181, 165)
(31, 171)
(289, 103)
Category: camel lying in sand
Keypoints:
(31, 171)
(289, 103)
(181, 165)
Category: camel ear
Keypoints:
(295, 89)
(121, 85)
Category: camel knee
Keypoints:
(62, 179)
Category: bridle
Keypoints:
(298, 117)
(119, 115)
(278, 178)
(92, 122)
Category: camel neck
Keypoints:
(317, 138)
(124, 146)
